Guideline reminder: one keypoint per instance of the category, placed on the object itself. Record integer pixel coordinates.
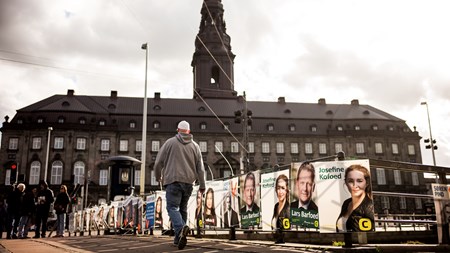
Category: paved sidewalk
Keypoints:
(35, 246)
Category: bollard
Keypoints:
(232, 233)
(348, 240)
(279, 233)
(199, 232)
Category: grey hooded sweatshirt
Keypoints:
(180, 160)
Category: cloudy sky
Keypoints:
(389, 54)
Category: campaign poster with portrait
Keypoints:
(99, 217)
(112, 214)
(212, 204)
(441, 196)
(139, 204)
(304, 212)
(275, 200)
(150, 211)
(230, 204)
(120, 212)
(161, 216)
(345, 196)
(249, 192)
(195, 208)
(128, 212)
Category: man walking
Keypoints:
(180, 162)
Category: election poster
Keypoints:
(275, 204)
(345, 199)
(195, 208)
(161, 216)
(150, 211)
(230, 204)
(249, 192)
(212, 214)
(304, 212)
(442, 206)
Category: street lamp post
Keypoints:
(244, 116)
(48, 153)
(431, 140)
(439, 206)
(144, 126)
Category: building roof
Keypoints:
(103, 105)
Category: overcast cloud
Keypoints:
(388, 54)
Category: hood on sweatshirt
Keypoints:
(184, 138)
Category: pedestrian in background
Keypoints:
(45, 198)
(181, 163)
(27, 210)
(13, 201)
(3, 215)
(60, 206)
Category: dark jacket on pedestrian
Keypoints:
(28, 206)
(45, 198)
(61, 203)
(14, 199)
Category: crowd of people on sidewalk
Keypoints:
(25, 208)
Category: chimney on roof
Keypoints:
(281, 100)
(355, 102)
(322, 101)
(70, 93)
(113, 94)
(157, 95)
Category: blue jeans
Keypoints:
(177, 197)
(60, 221)
(23, 226)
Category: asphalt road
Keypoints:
(138, 244)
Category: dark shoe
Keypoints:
(14, 236)
(25, 237)
(183, 234)
(36, 236)
(43, 236)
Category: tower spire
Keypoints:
(213, 60)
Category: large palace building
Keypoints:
(235, 135)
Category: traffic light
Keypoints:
(13, 168)
(237, 117)
(74, 200)
(249, 117)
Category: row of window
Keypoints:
(386, 205)
(58, 143)
(381, 177)
(226, 125)
(56, 174)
